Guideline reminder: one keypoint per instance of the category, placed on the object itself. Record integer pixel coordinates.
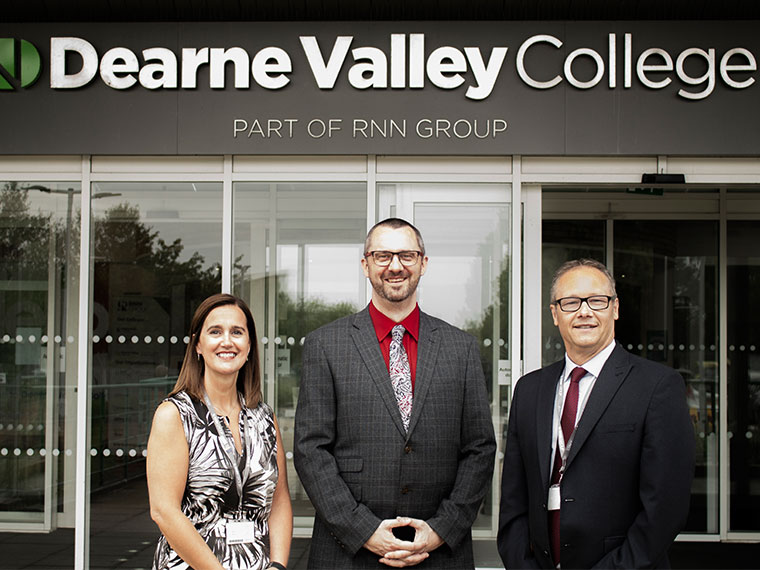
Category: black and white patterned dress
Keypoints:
(211, 494)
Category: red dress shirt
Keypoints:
(384, 326)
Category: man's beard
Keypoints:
(396, 295)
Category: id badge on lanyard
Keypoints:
(553, 501)
(238, 531)
(554, 498)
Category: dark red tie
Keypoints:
(569, 411)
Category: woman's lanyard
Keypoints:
(229, 450)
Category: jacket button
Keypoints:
(408, 449)
(546, 553)
(404, 490)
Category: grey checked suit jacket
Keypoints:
(627, 484)
(355, 460)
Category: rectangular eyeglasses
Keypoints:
(384, 258)
(595, 303)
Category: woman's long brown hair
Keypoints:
(191, 374)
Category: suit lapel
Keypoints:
(613, 375)
(544, 416)
(427, 354)
(365, 340)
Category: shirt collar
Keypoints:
(593, 366)
(384, 325)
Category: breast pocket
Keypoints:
(350, 470)
(616, 428)
(612, 542)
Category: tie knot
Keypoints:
(577, 374)
(398, 332)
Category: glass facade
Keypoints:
(467, 282)
(563, 240)
(667, 275)
(156, 253)
(162, 240)
(296, 253)
(39, 293)
(743, 309)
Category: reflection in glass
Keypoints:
(467, 285)
(39, 285)
(744, 374)
(667, 276)
(467, 281)
(562, 241)
(297, 249)
(156, 251)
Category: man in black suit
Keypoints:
(599, 461)
(394, 451)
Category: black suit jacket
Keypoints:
(627, 484)
(359, 465)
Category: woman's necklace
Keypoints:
(225, 412)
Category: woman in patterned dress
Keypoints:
(215, 453)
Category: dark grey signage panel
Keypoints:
(551, 88)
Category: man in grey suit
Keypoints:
(394, 439)
(600, 448)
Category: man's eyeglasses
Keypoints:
(595, 302)
(384, 258)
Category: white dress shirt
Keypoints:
(593, 368)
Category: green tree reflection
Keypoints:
(121, 237)
(24, 236)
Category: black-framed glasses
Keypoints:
(384, 258)
(595, 303)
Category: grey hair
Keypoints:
(575, 264)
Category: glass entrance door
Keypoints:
(297, 249)
(667, 282)
(39, 235)
(743, 366)
(297, 254)
(156, 254)
(466, 229)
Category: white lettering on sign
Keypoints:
(58, 49)
(650, 66)
(263, 128)
(371, 68)
(318, 128)
(485, 74)
(163, 73)
(406, 62)
(117, 68)
(460, 128)
(326, 72)
(120, 67)
(386, 128)
(367, 128)
(725, 68)
(192, 59)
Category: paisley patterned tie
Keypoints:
(401, 376)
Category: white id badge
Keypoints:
(552, 503)
(239, 532)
